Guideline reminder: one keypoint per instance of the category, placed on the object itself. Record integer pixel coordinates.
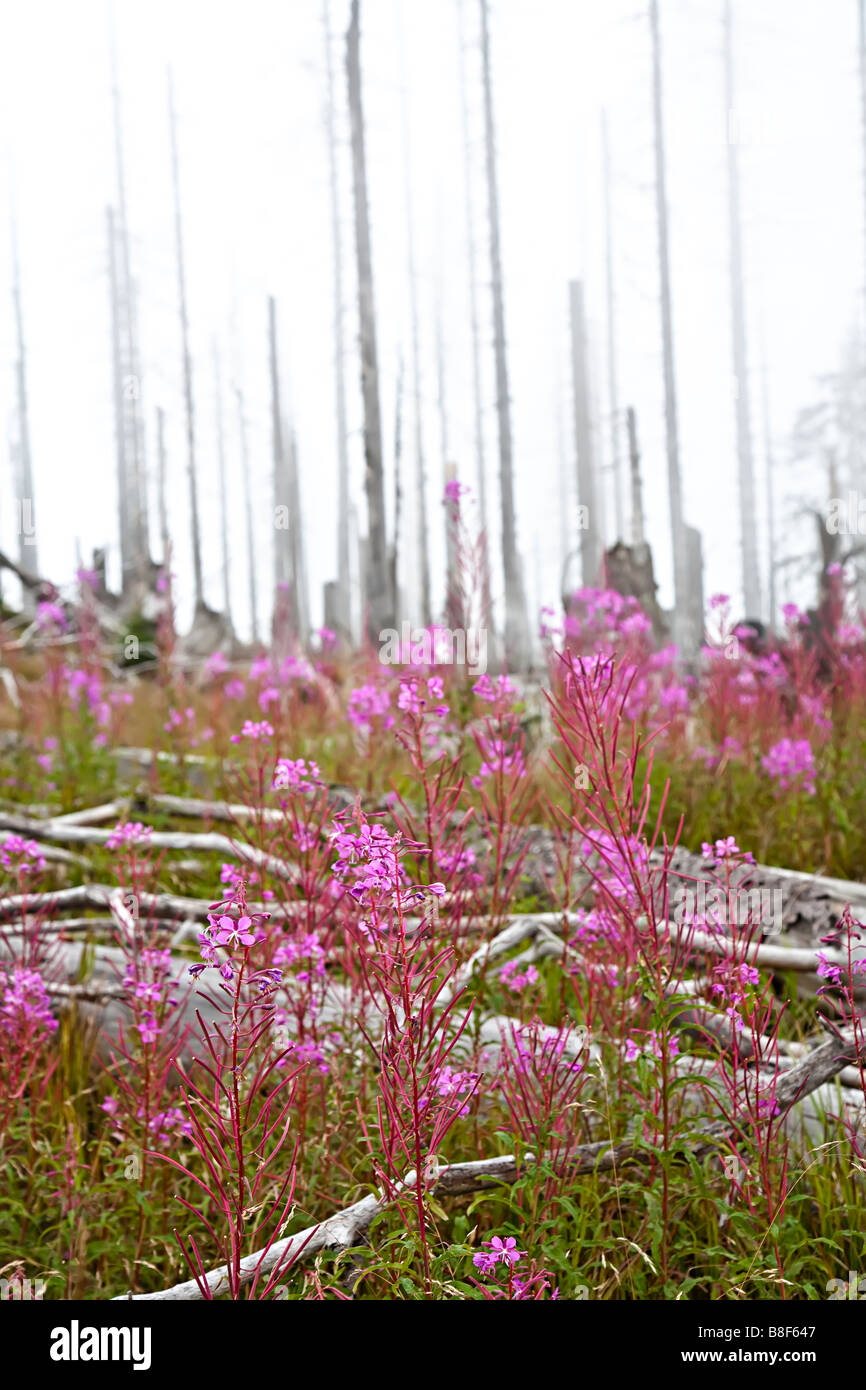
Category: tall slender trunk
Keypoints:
(591, 541)
(671, 424)
(123, 502)
(398, 485)
(474, 321)
(248, 513)
(296, 532)
(517, 641)
(449, 474)
(133, 419)
(162, 485)
(422, 521)
(28, 550)
(343, 564)
(612, 384)
(638, 532)
(223, 487)
(282, 500)
(748, 523)
(195, 527)
(771, 500)
(380, 601)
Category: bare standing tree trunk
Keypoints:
(296, 531)
(398, 489)
(422, 522)
(477, 412)
(282, 501)
(612, 385)
(162, 479)
(748, 522)
(187, 360)
(517, 642)
(221, 474)
(28, 550)
(671, 424)
(638, 534)
(343, 566)
(123, 504)
(133, 421)
(591, 541)
(771, 501)
(248, 513)
(449, 472)
(380, 601)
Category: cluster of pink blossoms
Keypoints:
(296, 775)
(368, 703)
(128, 833)
(26, 1007)
(229, 933)
(411, 701)
(259, 733)
(531, 1285)
(791, 761)
(515, 979)
(20, 855)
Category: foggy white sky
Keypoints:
(250, 89)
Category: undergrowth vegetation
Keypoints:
(428, 1021)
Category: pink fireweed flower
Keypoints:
(25, 1009)
(22, 856)
(50, 615)
(297, 775)
(790, 762)
(486, 690)
(216, 664)
(234, 689)
(235, 933)
(260, 732)
(498, 1250)
(722, 849)
(515, 979)
(368, 862)
(366, 703)
(128, 833)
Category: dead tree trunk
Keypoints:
(422, 523)
(449, 474)
(133, 421)
(282, 501)
(748, 524)
(771, 501)
(195, 527)
(123, 501)
(248, 514)
(477, 411)
(296, 532)
(162, 483)
(221, 475)
(398, 492)
(591, 541)
(343, 617)
(612, 385)
(380, 601)
(25, 521)
(517, 641)
(671, 422)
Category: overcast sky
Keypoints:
(250, 93)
